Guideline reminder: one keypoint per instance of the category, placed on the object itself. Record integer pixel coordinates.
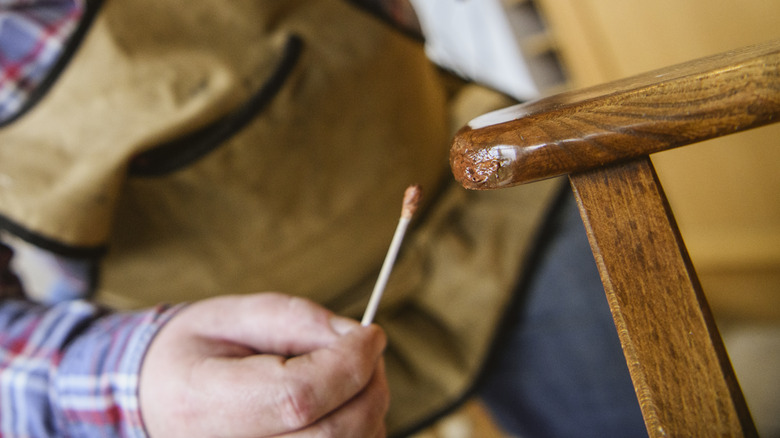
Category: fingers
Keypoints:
(363, 416)
(267, 395)
(345, 368)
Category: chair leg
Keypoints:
(678, 363)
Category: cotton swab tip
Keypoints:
(412, 197)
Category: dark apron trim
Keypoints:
(51, 245)
(90, 12)
(183, 151)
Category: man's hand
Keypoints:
(264, 365)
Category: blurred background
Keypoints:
(724, 192)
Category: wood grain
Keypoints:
(667, 108)
(681, 371)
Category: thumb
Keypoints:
(270, 323)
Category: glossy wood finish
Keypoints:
(618, 121)
(602, 138)
(679, 366)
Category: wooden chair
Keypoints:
(602, 138)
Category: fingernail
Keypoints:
(342, 325)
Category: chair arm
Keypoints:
(617, 121)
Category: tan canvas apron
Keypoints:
(217, 147)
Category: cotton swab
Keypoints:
(412, 197)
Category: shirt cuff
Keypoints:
(96, 383)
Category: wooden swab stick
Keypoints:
(411, 200)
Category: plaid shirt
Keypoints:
(32, 36)
(67, 369)
(71, 369)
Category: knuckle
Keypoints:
(297, 405)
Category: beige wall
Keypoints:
(725, 191)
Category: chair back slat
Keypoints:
(681, 372)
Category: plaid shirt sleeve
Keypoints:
(32, 36)
(72, 369)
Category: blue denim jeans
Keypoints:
(558, 370)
